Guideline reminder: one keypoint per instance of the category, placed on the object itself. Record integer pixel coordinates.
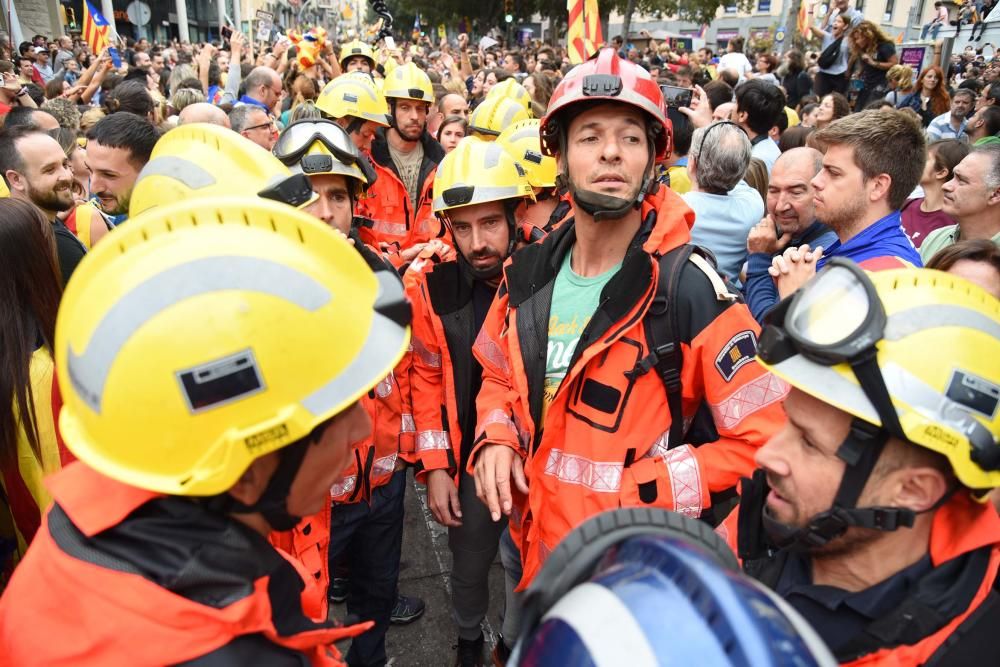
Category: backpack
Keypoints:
(663, 342)
(830, 54)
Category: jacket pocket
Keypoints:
(645, 483)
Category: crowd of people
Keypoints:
(248, 290)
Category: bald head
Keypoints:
(790, 190)
(803, 157)
(264, 85)
(453, 104)
(203, 112)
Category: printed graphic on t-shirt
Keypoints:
(574, 300)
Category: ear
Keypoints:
(994, 198)
(15, 180)
(254, 479)
(880, 187)
(917, 488)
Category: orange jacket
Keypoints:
(396, 221)
(960, 527)
(441, 369)
(388, 406)
(606, 410)
(122, 576)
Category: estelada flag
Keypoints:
(96, 32)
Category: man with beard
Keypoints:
(118, 147)
(607, 337)
(858, 194)
(402, 199)
(866, 514)
(476, 191)
(790, 222)
(36, 169)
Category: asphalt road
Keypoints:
(424, 570)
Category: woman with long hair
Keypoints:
(30, 289)
(929, 98)
(452, 130)
(832, 107)
(796, 81)
(922, 215)
(540, 88)
(873, 54)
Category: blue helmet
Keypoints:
(663, 590)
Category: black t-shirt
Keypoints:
(69, 250)
(840, 616)
(482, 299)
(873, 76)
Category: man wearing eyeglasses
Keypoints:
(255, 124)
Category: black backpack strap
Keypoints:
(663, 337)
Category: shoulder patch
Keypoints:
(737, 353)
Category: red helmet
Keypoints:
(612, 78)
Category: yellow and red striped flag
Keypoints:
(803, 19)
(584, 35)
(97, 33)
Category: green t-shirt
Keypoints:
(574, 300)
(942, 238)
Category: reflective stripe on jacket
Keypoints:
(608, 411)
(395, 219)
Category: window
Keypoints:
(763, 6)
(730, 8)
(889, 6)
(860, 6)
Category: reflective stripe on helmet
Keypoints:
(89, 371)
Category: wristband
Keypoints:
(23, 91)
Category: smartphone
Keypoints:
(226, 33)
(390, 43)
(675, 96)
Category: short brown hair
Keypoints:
(973, 250)
(885, 141)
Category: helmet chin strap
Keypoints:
(607, 207)
(860, 451)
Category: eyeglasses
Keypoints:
(269, 124)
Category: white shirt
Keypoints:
(767, 151)
(736, 61)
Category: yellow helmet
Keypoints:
(354, 94)
(493, 115)
(318, 146)
(356, 48)
(205, 160)
(476, 172)
(937, 344)
(409, 82)
(524, 144)
(511, 89)
(201, 340)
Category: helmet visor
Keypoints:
(298, 137)
(836, 317)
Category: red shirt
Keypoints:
(918, 224)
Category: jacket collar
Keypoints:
(92, 501)
(380, 149)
